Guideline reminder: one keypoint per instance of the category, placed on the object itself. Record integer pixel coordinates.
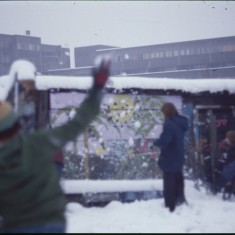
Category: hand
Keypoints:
(101, 72)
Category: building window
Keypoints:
(31, 47)
(203, 50)
(6, 44)
(5, 59)
(146, 56)
(161, 55)
(191, 51)
(152, 55)
(198, 50)
(228, 48)
(18, 46)
(135, 57)
(168, 54)
(182, 52)
(22, 46)
(176, 52)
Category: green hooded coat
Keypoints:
(30, 193)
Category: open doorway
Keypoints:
(211, 124)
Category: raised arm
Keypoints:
(59, 136)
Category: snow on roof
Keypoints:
(125, 82)
(45, 82)
(26, 70)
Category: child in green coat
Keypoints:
(31, 199)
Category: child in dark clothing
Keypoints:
(226, 178)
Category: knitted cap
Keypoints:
(7, 116)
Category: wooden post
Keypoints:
(213, 140)
(86, 155)
(197, 165)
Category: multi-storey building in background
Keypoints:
(84, 61)
(55, 57)
(84, 56)
(44, 57)
(13, 47)
(205, 58)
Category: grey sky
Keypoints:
(118, 23)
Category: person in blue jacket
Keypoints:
(171, 159)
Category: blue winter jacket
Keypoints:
(228, 171)
(171, 143)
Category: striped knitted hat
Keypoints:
(7, 116)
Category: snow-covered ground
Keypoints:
(205, 213)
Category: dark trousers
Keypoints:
(173, 189)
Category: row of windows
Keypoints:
(51, 53)
(174, 53)
(4, 44)
(5, 59)
(28, 46)
(168, 68)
